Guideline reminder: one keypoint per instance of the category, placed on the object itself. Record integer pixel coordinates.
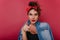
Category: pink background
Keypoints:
(13, 16)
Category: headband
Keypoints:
(35, 7)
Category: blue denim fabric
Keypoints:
(43, 30)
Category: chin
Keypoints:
(33, 22)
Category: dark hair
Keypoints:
(34, 4)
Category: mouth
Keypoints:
(33, 20)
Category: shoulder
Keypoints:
(44, 24)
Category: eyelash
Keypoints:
(35, 14)
(30, 14)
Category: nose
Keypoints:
(33, 17)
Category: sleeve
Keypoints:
(47, 33)
(20, 35)
(50, 32)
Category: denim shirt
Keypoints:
(43, 30)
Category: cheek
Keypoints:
(30, 17)
(36, 17)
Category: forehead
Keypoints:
(33, 11)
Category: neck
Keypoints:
(32, 24)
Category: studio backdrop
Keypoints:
(13, 16)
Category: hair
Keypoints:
(34, 4)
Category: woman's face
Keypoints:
(33, 16)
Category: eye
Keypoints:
(36, 14)
(30, 14)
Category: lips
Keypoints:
(33, 20)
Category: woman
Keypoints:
(33, 29)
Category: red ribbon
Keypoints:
(31, 7)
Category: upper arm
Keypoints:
(47, 33)
(20, 35)
(50, 32)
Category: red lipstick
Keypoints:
(33, 20)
